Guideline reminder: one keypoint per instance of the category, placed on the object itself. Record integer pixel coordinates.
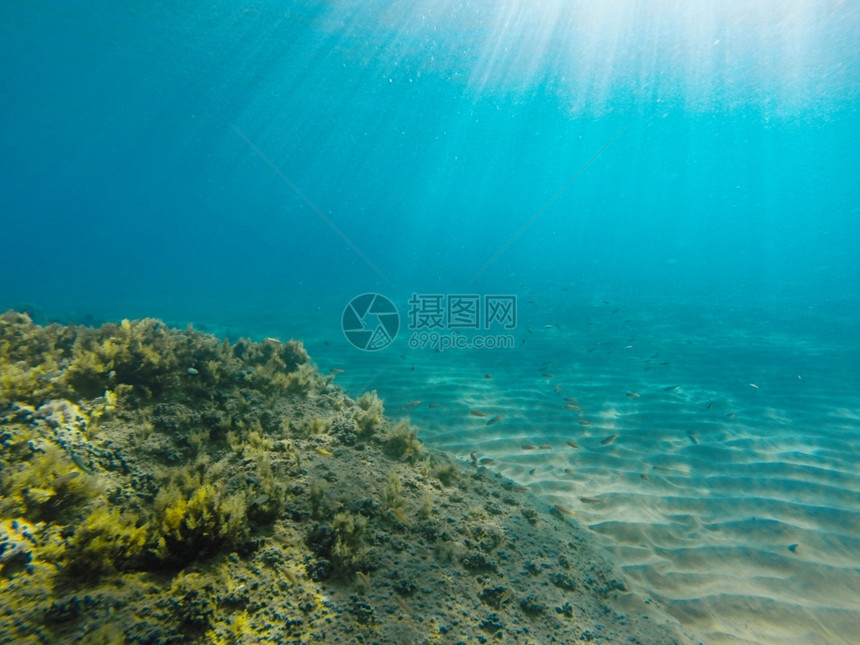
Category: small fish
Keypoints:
(693, 437)
(477, 413)
(400, 515)
(583, 422)
(546, 375)
(633, 395)
(65, 479)
(364, 579)
(710, 405)
(528, 446)
(793, 547)
(402, 603)
(545, 446)
(671, 388)
(547, 326)
(569, 471)
(557, 388)
(412, 404)
(192, 372)
(570, 399)
(573, 444)
(433, 406)
(754, 386)
(336, 370)
(570, 406)
(488, 376)
(521, 489)
(291, 577)
(564, 510)
(484, 461)
(80, 464)
(590, 500)
(644, 477)
(323, 452)
(608, 440)
(272, 340)
(495, 419)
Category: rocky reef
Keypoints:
(167, 486)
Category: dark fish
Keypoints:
(573, 444)
(545, 446)
(495, 419)
(572, 407)
(583, 422)
(546, 375)
(412, 404)
(608, 440)
(633, 395)
(590, 500)
(528, 446)
(336, 370)
(671, 388)
(710, 405)
(486, 460)
(570, 399)
(488, 376)
(432, 405)
(477, 413)
(693, 437)
(793, 547)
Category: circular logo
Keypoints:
(370, 322)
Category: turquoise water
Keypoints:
(668, 189)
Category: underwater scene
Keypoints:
(349, 321)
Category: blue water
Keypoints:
(643, 177)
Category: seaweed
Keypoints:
(402, 442)
(368, 414)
